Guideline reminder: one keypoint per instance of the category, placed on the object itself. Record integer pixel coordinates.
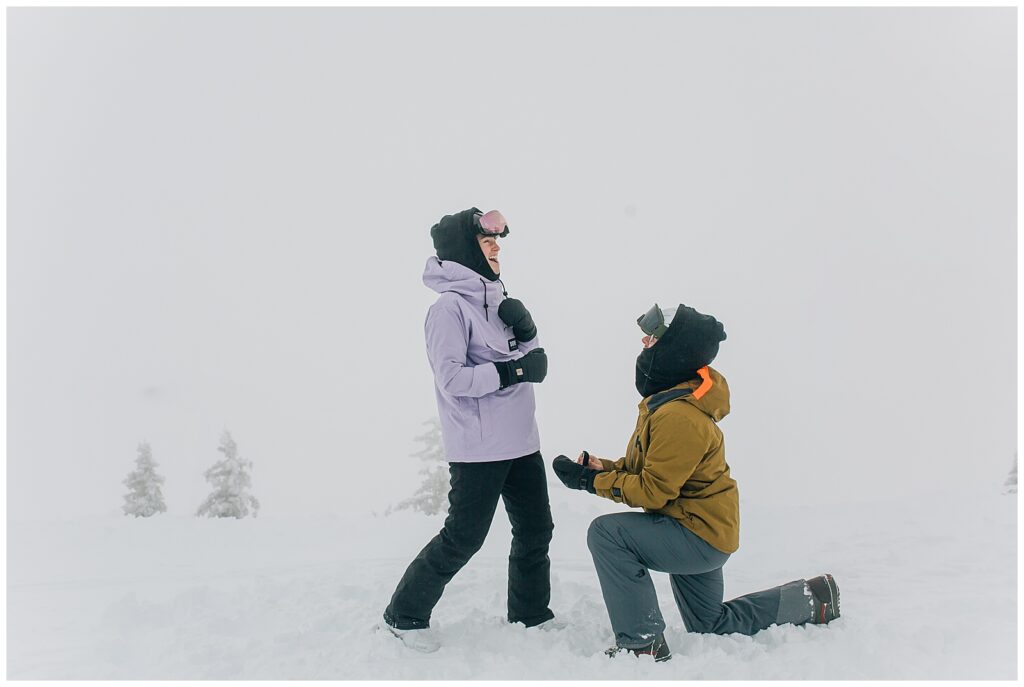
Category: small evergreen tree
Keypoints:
(432, 496)
(231, 481)
(145, 498)
(1010, 485)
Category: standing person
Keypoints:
(484, 352)
(675, 469)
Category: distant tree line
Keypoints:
(229, 477)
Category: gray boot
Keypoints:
(825, 597)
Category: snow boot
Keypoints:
(825, 599)
(549, 625)
(424, 641)
(658, 649)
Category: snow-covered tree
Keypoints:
(145, 498)
(432, 496)
(1010, 485)
(231, 481)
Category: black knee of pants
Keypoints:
(525, 495)
(533, 536)
(460, 538)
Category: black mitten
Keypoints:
(513, 313)
(532, 367)
(574, 475)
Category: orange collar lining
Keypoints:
(706, 385)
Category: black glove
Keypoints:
(532, 367)
(513, 313)
(574, 475)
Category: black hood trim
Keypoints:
(658, 400)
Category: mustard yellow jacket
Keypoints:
(675, 462)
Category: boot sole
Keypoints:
(655, 654)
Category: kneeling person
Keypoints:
(675, 470)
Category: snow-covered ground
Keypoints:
(928, 589)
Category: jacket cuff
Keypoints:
(507, 373)
(604, 486)
(588, 480)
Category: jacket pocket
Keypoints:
(501, 341)
(467, 421)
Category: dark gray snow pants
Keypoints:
(626, 546)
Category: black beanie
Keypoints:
(690, 342)
(455, 239)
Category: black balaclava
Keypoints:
(455, 239)
(690, 343)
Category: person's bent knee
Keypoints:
(537, 537)
(538, 527)
(598, 533)
(463, 545)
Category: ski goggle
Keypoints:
(491, 224)
(652, 322)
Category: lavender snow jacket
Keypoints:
(479, 423)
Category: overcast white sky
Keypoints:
(218, 218)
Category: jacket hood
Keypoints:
(447, 276)
(708, 392)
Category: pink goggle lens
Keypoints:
(492, 222)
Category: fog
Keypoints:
(218, 219)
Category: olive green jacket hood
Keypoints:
(709, 393)
(675, 461)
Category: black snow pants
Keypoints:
(475, 489)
